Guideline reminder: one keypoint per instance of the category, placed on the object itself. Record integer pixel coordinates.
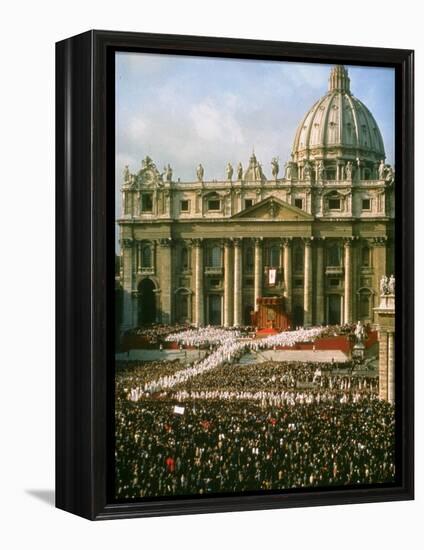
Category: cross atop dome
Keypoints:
(339, 79)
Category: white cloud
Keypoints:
(211, 122)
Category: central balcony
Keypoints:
(334, 270)
(210, 270)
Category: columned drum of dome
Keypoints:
(317, 233)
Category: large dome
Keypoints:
(338, 126)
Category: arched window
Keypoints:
(298, 258)
(146, 256)
(184, 259)
(334, 256)
(215, 257)
(274, 256)
(365, 257)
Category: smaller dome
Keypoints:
(338, 122)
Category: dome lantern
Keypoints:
(339, 79)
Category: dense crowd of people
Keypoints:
(233, 446)
(219, 425)
(131, 374)
(155, 334)
(278, 376)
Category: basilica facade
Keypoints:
(319, 236)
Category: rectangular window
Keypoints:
(214, 204)
(334, 282)
(248, 203)
(215, 283)
(366, 204)
(147, 202)
(334, 204)
(298, 283)
(185, 206)
(298, 203)
(128, 203)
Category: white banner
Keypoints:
(272, 276)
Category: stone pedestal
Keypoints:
(358, 351)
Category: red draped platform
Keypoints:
(270, 316)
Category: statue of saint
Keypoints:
(359, 332)
(168, 173)
(200, 172)
(321, 170)
(389, 174)
(381, 170)
(348, 170)
(126, 174)
(391, 285)
(275, 167)
(384, 285)
(239, 171)
(230, 171)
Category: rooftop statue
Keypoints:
(168, 173)
(275, 167)
(200, 172)
(126, 174)
(239, 171)
(230, 171)
(381, 170)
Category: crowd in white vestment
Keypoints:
(288, 338)
(203, 337)
(228, 350)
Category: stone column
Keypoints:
(127, 283)
(391, 367)
(348, 281)
(320, 309)
(288, 274)
(199, 309)
(166, 266)
(238, 285)
(258, 271)
(139, 257)
(307, 284)
(228, 283)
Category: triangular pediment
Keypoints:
(272, 208)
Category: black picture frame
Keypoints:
(85, 268)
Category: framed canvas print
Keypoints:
(234, 274)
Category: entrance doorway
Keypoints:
(215, 309)
(146, 302)
(297, 316)
(334, 309)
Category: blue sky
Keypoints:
(184, 110)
